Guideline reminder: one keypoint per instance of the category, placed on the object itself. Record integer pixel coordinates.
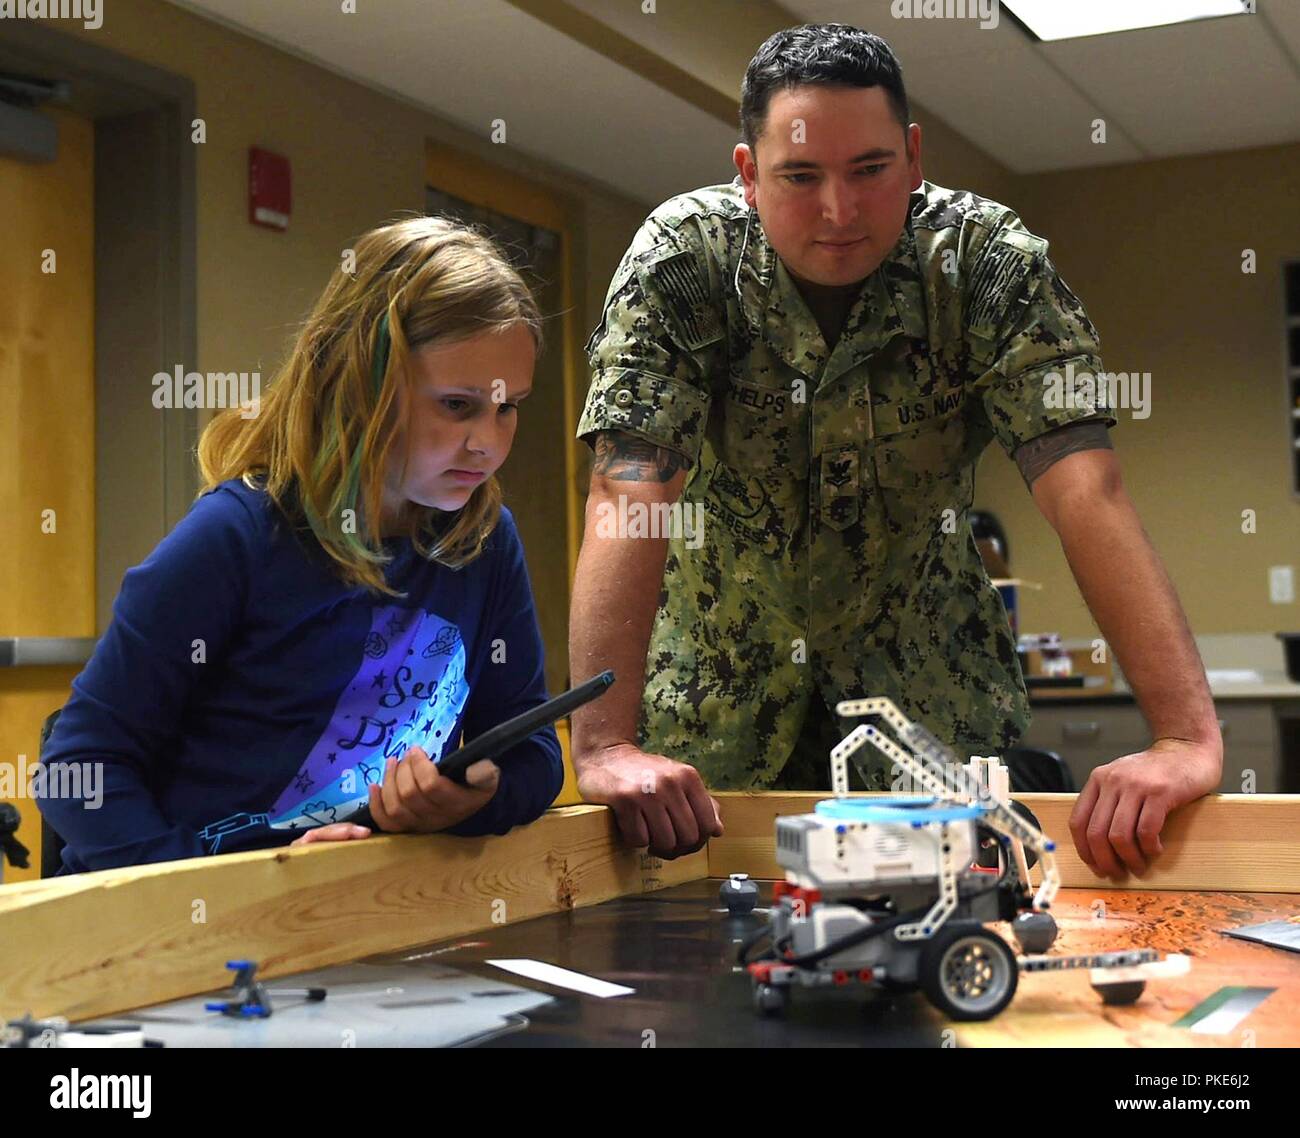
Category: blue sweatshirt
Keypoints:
(243, 694)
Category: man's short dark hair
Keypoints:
(834, 55)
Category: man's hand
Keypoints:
(415, 799)
(1117, 820)
(657, 802)
(1118, 817)
(335, 832)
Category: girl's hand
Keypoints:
(337, 832)
(415, 799)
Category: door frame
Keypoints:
(145, 303)
(473, 179)
(466, 176)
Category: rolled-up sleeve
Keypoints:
(648, 356)
(1038, 354)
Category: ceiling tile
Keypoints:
(1192, 89)
(1020, 111)
(1211, 85)
(915, 39)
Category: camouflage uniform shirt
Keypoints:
(834, 484)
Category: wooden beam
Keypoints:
(633, 55)
(98, 943)
(1231, 842)
(748, 843)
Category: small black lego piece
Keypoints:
(739, 894)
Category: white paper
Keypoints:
(562, 977)
(1233, 676)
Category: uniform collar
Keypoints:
(890, 302)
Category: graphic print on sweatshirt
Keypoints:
(409, 690)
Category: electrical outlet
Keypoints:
(1281, 584)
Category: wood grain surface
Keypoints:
(1237, 842)
(98, 943)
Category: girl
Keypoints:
(346, 592)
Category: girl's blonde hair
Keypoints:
(321, 441)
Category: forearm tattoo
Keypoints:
(624, 458)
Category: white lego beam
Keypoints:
(933, 767)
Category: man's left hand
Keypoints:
(1118, 817)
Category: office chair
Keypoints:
(51, 844)
(1034, 770)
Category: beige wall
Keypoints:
(1154, 250)
(947, 159)
(358, 158)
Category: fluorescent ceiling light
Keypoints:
(1060, 19)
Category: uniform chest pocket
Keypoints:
(764, 429)
(934, 452)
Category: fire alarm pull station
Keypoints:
(270, 199)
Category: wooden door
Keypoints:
(47, 441)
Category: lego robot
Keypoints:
(888, 892)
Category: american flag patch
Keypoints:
(997, 285)
(679, 282)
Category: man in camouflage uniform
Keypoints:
(827, 416)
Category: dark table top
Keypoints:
(677, 950)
